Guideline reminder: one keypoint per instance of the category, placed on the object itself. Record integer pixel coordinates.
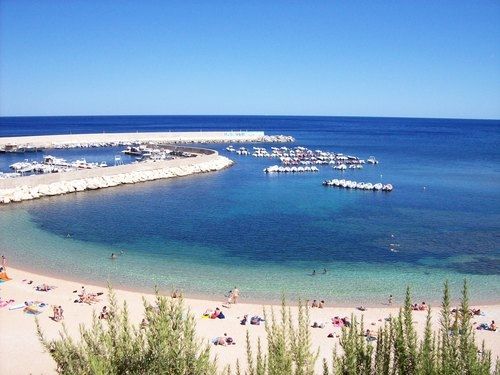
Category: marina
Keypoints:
(300, 155)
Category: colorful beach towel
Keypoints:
(35, 309)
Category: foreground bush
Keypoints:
(451, 350)
(166, 345)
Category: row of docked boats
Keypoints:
(52, 164)
(285, 169)
(144, 153)
(11, 148)
(343, 167)
(303, 156)
(348, 184)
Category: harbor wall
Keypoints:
(49, 141)
(37, 186)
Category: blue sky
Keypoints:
(393, 58)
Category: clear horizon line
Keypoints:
(253, 115)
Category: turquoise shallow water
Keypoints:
(266, 234)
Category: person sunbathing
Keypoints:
(224, 340)
(422, 306)
(255, 320)
(337, 322)
(4, 303)
(493, 326)
(346, 321)
(216, 313)
(104, 313)
(44, 288)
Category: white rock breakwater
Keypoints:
(64, 141)
(28, 188)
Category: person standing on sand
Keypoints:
(236, 294)
(4, 263)
(390, 300)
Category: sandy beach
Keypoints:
(18, 341)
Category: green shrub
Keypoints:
(115, 346)
(168, 345)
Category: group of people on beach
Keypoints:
(422, 307)
(88, 298)
(214, 314)
(232, 296)
(44, 287)
(57, 312)
(319, 304)
(223, 340)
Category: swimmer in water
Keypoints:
(113, 256)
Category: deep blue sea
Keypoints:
(266, 234)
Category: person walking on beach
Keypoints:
(4, 263)
(390, 300)
(60, 313)
(236, 294)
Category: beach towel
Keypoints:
(17, 307)
(35, 309)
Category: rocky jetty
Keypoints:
(24, 192)
(34, 143)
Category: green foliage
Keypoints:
(166, 345)
(288, 345)
(397, 351)
(357, 357)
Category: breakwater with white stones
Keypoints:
(38, 186)
(34, 143)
